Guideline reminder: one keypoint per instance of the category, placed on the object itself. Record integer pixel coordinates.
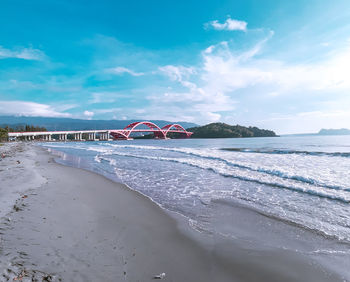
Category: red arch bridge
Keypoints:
(108, 134)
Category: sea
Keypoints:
(301, 181)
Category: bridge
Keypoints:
(104, 135)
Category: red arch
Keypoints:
(125, 133)
(117, 134)
(178, 128)
(158, 132)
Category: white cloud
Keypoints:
(122, 70)
(229, 24)
(22, 108)
(106, 97)
(211, 90)
(88, 114)
(22, 53)
(177, 72)
(228, 71)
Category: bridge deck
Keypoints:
(36, 133)
(104, 134)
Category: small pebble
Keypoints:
(159, 276)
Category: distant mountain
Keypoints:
(342, 131)
(223, 130)
(52, 124)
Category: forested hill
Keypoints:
(223, 130)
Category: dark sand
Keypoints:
(80, 226)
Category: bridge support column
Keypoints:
(103, 136)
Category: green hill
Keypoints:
(223, 130)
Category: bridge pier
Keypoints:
(77, 136)
(104, 136)
(62, 137)
(91, 136)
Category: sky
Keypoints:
(280, 65)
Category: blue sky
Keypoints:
(281, 65)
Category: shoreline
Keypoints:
(108, 231)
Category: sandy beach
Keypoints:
(66, 224)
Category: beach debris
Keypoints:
(20, 276)
(16, 208)
(159, 276)
(18, 162)
(24, 196)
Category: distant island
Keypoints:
(223, 130)
(341, 131)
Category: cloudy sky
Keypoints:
(281, 65)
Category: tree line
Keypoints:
(19, 128)
(223, 130)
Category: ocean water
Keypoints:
(304, 181)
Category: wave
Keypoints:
(274, 172)
(288, 221)
(202, 154)
(311, 190)
(287, 152)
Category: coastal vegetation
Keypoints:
(223, 130)
(3, 134)
(20, 128)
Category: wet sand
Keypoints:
(73, 225)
